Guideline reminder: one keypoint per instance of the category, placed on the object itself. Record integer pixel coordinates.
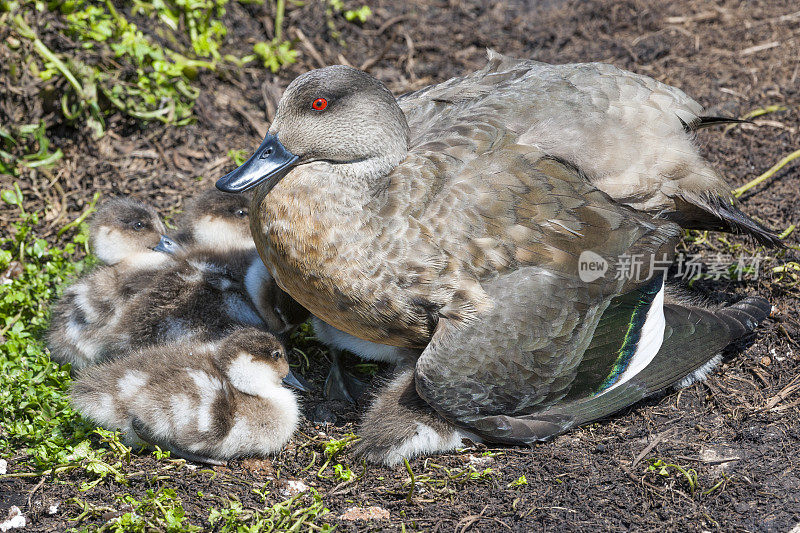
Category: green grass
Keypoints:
(142, 61)
(299, 513)
(38, 421)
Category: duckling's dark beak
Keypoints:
(272, 161)
(293, 381)
(167, 245)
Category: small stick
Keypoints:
(649, 447)
(385, 26)
(766, 175)
(310, 47)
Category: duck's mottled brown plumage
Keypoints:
(461, 236)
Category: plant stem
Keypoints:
(410, 496)
(280, 6)
(766, 175)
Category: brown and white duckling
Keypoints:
(202, 296)
(215, 230)
(206, 402)
(207, 290)
(127, 236)
(213, 219)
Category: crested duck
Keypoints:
(204, 401)
(128, 238)
(451, 221)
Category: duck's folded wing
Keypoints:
(547, 358)
(693, 338)
(546, 295)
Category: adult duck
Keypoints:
(461, 237)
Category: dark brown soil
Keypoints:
(738, 431)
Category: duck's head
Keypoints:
(336, 116)
(123, 229)
(254, 362)
(217, 220)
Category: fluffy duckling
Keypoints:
(127, 236)
(206, 402)
(213, 219)
(215, 230)
(218, 282)
(202, 297)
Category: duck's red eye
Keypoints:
(319, 104)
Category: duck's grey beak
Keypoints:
(167, 245)
(272, 161)
(292, 381)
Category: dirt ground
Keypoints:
(739, 431)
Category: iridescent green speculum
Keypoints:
(633, 334)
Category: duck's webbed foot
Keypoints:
(399, 424)
(340, 384)
(145, 435)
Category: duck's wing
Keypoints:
(631, 135)
(693, 339)
(550, 333)
(519, 379)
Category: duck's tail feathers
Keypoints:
(707, 122)
(715, 213)
(693, 341)
(739, 222)
(744, 316)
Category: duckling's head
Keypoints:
(217, 220)
(123, 229)
(254, 362)
(335, 116)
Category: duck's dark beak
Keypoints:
(167, 245)
(293, 381)
(272, 161)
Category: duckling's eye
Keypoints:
(276, 354)
(319, 104)
(138, 226)
(241, 213)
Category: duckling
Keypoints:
(202, 296)
(130, 235)
(215, 229)
(204, 401)
(216, 220)
(207, 289)
(458, 232)
(127, 236)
